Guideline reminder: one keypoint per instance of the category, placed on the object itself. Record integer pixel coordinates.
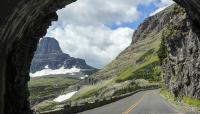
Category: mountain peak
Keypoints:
(48, 45)
(50, 54)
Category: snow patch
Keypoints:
(82, 78)
(46, 67)
(61, 70)
(62, 98)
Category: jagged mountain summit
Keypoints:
(50, 56)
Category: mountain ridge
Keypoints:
(146, 37)
(50, 54)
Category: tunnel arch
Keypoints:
(22, 23)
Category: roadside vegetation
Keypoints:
(186, 100)
(167, 94)
(191, 102)
(45, 106)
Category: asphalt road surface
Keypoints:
(145, 102)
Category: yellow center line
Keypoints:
(134, 105)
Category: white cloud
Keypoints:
(98, 12)
(98, 45)
(162, 5)
(82, 29)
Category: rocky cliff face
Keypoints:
(182, 65)
(49, 54)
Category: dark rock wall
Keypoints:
(22, 23)
(18, 63)
(193, 10)
(182, 66)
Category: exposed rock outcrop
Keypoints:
(182, 69)
(49, 54)
(152, 24)
(193, 11)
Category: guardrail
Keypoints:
(88, 106)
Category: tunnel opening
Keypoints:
(23, 26)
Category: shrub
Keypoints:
(167, 94)
(162, 52)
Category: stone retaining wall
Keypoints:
(88, 106)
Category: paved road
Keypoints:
(146, 102)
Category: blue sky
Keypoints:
(145, 11)
(98, 30)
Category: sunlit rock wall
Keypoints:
(182, 66)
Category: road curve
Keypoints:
(145, 102)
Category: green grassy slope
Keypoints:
(48, 87)
(146, 37)
(132, 57)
